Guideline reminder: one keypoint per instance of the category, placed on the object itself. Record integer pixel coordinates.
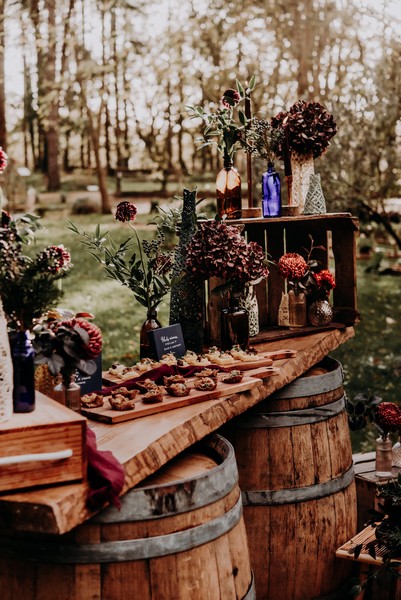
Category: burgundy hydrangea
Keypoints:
(388, 417)
(292, 266)
(307, 128)
(230, 98)
(3, 160)
(219, 250)
(126, 211)
(54, 259)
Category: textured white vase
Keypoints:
(6, 371)
(302, 167)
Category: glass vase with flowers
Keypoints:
(67, 344)
(303, 133)
(219, 250)
(320, 311)
(387, 420)
(143, 266)
(28, 288)
(224, 130)
(293, 268)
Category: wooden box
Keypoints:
(367, 483)
(335, 232)
(44, 447)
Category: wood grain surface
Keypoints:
(144, 445)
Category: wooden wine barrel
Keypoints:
(179, 536)
(294, 460)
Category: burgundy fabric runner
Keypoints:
(106, 475)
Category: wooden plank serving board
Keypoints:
(107, 415)
(265, 359)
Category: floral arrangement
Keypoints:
(141, 266)
(292, 266)
(219, 250)
(67, 344)
(306, 128)
(28, 283)
(325, 282)
(387, 418)
(223, 124)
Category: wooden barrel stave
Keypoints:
(204, 556)
(295, 465)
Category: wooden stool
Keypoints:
(383, 587)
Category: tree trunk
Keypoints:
(51, 128)
(3, 130)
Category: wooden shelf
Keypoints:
(334, 232)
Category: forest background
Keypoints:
(95, 91)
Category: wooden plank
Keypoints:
(107, 415)
(262, 359)
(144, 445)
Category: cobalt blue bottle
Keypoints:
(271, 192)
(22, 354)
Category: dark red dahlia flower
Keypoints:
(126, 211)
(292, 266)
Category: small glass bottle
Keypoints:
(296, 309)
(22, 355)
(69, 396)
(384, 457)
(150, 324)
(234, 325)
(228, 191)
(271, 192)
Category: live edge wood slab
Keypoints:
(144, 445)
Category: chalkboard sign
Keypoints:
(166, 340)
(91, 383)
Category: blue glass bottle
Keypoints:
(22, 354)
(271, 192)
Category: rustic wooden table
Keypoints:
(144, 445)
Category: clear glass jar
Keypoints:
(384, 457)
(69, 396)
(296, 309)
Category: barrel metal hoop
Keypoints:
(178, 497)
(122, 550)
(251, 593)
(295, 495)
(292, 418)
(316, 384)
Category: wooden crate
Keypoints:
(367, 484)
(336, 232)
(50, 429)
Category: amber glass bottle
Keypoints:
(150, 323)
(228, 191)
